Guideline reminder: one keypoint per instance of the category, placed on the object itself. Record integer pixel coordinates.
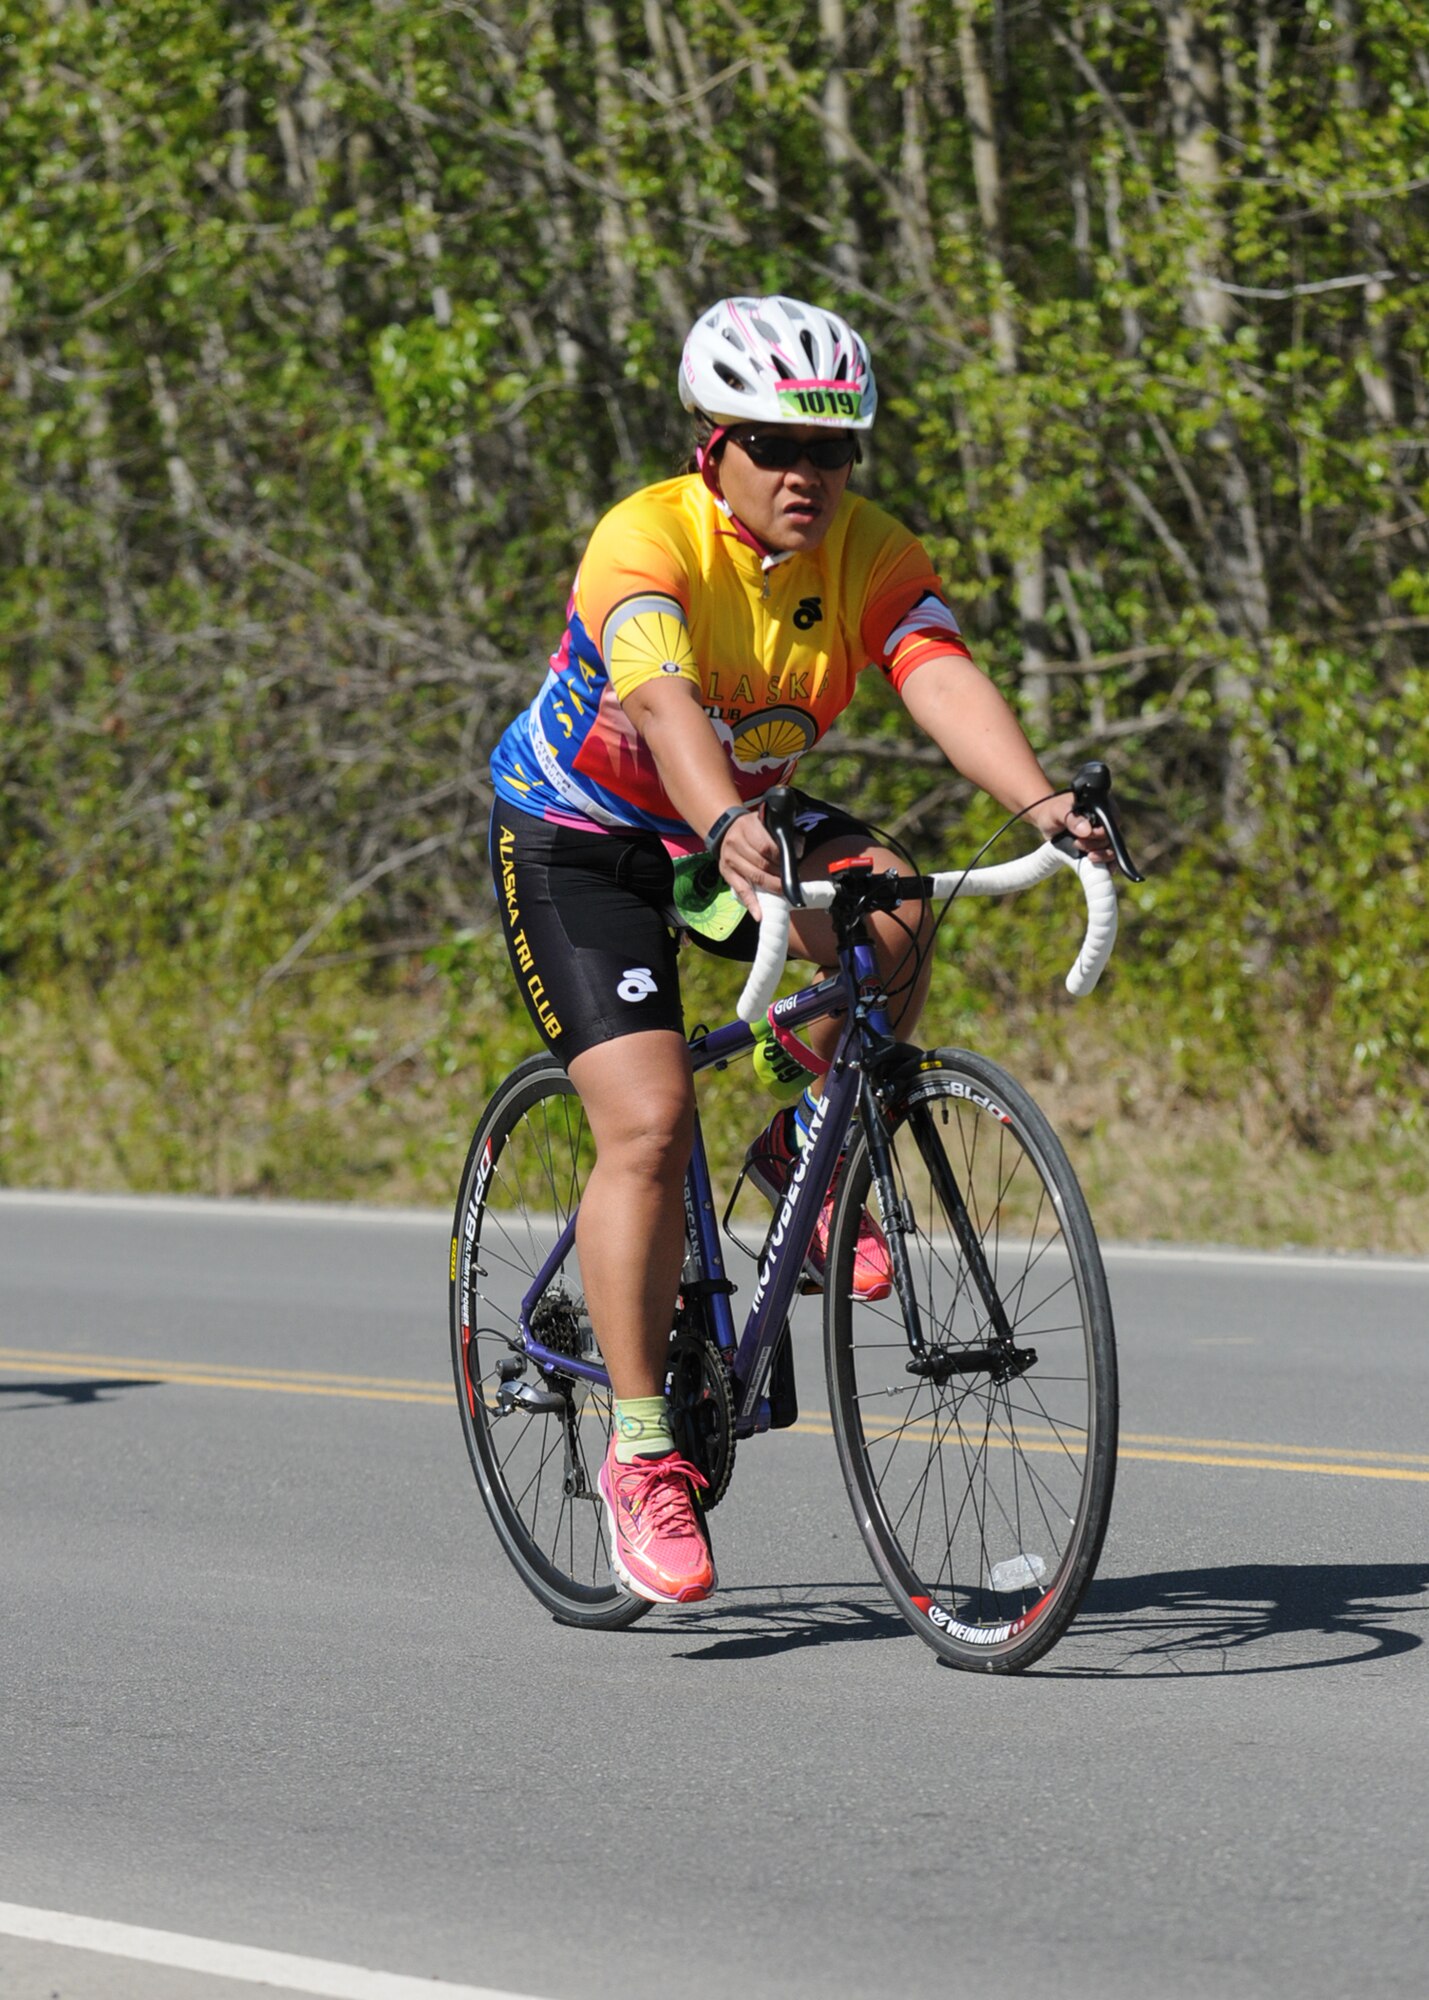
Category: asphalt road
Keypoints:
(265, 1679)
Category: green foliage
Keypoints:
(1302, 963)
(326, 333)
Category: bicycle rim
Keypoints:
(535, 1465)
(982, 1489)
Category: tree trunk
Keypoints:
(838, 140)
(1235, 558)
(1029, 565)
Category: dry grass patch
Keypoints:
(333, 1096)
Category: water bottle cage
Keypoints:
(800, 1052)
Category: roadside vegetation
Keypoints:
(327, 331)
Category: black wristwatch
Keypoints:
(716, 834)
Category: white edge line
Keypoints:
(239, 1208)
(243, 1208)
(1357, 1263)
(230, 1961)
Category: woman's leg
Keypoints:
(639, 1099)
(638, 1094)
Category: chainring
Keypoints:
(702, 1409)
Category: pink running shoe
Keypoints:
(657, 1549)
(769, 1163)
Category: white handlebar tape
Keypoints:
(1098, 887)
(1003, 880)
(773, 948)
(768, 967)
(1100, 891)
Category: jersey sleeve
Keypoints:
(907, 619)
(633, 597)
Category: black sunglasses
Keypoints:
(776, 451)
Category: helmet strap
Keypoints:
(709, 472)
(705, 460)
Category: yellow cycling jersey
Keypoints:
(774, 644)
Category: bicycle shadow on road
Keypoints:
(71, 1394)
(773, 1620)
(1245, 1618)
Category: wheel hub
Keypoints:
(1002, 1362)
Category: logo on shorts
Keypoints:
(636, 983)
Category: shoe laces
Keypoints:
(664, 1501)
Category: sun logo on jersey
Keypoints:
(767, 739)
(645, 636)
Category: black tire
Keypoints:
(983, 1502)
(536, 1468)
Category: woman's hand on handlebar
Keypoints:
(1055, 816)
(749, 860)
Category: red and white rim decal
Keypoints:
(979, 1635)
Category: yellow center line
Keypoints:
(1259, 1444)
(206, 1375)
(1339, 1461)
(1357, 1471)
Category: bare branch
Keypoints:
(1318, 285)
(1146, 507)
(389, 863)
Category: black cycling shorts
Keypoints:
(589, 925)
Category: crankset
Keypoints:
(701, 1408)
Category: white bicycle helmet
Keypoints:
(777, 361)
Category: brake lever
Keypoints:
(1091, 797)
(779, 810)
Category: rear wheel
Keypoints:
(536, 1441)
(981, 1470)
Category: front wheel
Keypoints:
(536, 1441)
(980, 1457)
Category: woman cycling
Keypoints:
(716, 628)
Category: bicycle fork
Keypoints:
(998, 1357)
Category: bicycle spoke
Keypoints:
(984, 1492)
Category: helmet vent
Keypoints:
(728, 333)
(806, 341)
(730, 379)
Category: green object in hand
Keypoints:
(704, 901)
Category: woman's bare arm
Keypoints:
(976, 730)
(695, 772)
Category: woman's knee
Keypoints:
(640, 1103)
(650, 1138)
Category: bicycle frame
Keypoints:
(985, 1548)
(857, 990)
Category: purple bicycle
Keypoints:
(974, 1406)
